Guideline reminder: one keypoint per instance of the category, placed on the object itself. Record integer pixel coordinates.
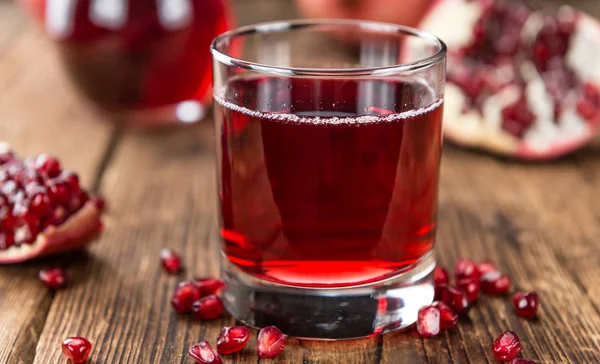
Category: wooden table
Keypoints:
(539, 222)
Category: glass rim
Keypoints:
(287, 25)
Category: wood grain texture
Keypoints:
(539, 222)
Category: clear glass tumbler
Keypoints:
(329, 144)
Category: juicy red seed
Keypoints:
(9, 188)
(440, 276)
(170, 261)
(439, 291)
(470, 287)
(54, 278)
(521, 361)
(72, 180)
(208, 285)
(465, 268)
(58, 215)
(456, 299)
(526, 303)
(99, 202)
(78, 201)
(40, 204)
(494, 283)
(232, 339)
(7, 239)
(428, 321)
(270, 342)
(204, 353)
(587, 109)
(486, 266)
(59, 192)
(184, 297)
(507, 346)
(448, 318)
(6, 154)
(207, 308)
(48, 166)
(77, 349)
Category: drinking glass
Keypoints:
(328, 148)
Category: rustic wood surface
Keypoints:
(539, 222)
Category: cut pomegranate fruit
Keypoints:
(41, 211)
(507, 346)
(170, 261)
(76, 348)
(448, 318)
(232, 339)
(54, 278)
(270, 342)
(494, 283)
(184, 297)
(456, 299)
(466, 269)
(208, 285)
(521, 361)
(207, 308)
(428, 321)
(521, 81)
(526, 303)
(470, 286)
(486, 266)
(204, 353)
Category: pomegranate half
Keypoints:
(521, 82)
(43, 210)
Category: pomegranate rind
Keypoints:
(469, 128)
(80, 229)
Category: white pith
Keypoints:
(470, 127)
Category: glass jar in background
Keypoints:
(146, 62)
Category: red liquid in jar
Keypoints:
(327, 183)
(135, 54)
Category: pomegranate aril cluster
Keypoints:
(199, 298)
(34, 193)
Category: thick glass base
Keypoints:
(185, 112)
(330, 314)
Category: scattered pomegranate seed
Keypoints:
(448, 318)
(526, 303)
(470, 287)
(204, 353)
(456, 299)
(207, 308)
(486, 266)
(232, 339)
(507, 346)
(439, 291)
(54, 278)
(270, 342)
(428, 321)
(440, 276)
(521, 361)
(184, 297)
(465, 268)
(170, 261)
(76, 348)
(208, 285)
(494, 283)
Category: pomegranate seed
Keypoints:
(99, 202)
(470, 287)
(465, 268)
(184, 297)
(232, 339)
(456, 299)
(77, 349)
(587, 109)
(9, 188)
(507, 346)
(428, 321)
(58, 191)
(440, 276)
(494, 283)
(526, 303)
(439, 291)
(448, 318)
(208, 285)
(270, 342)
(54, 278)
(486, 266)
(521, 361)
(47, 165)
(7, 239)
(72, 179)
(208, 308)
(204, 353)
(40, 202)
(170, 261)
(57, 216)
(6, 153)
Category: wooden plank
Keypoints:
(40, 113)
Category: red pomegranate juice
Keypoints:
(327, 182)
